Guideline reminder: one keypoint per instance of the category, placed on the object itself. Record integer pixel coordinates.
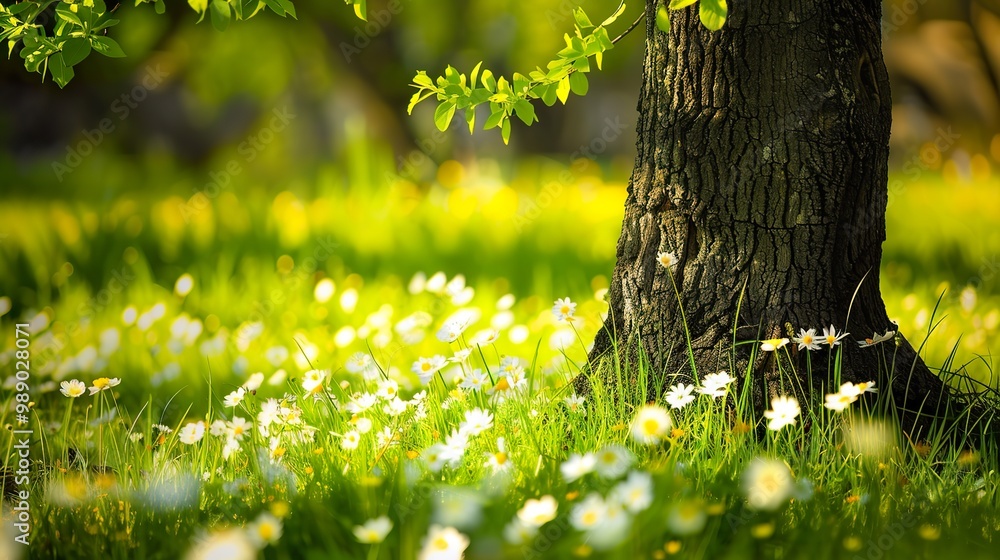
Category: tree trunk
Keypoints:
(762, 156)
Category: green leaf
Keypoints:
(611, 19)
(489, 82)
(107, 46)
(562, 91)
(422, 79)
(360, 9)
(663, 18)
(475, 75)
(199, 5)
(160, 7)
(74, 50)
(443, 115)
(61, 73)
(713, 13)
(582, 21)
(494, 120)
(525, 111)
(578, 83)
(505, 131)
(548, 93)
(678, 4)
(220, 15)
(64, 13)
(288, 7)
(470, 117)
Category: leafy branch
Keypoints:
(56, 35)
(561, 77)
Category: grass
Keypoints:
(305, 280)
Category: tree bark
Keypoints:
(762, 164)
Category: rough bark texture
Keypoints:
(761, 164)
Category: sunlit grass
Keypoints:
(328, 296)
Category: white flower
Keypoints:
(784, 411)
(876, 339)
(806, 339)
(716, 384)
(666, 259)
(454, 448)
(218, 428)
(73, 389)
(350, 440)
(589, 513)
(613, 529)
(395, 407)
(563, 309)
(485, 337)
(635, 493)
(192, 433)
(425, 368)
(360, 403)
(578, 466)
(839, 402)
(772, 344)
(231, 544)
(443, 543)
(613, 460)
(767, 484)
(831, 337)
(237, 428)
(451, 330)
(103, 384)
(460, 355)
(388, 389)
(362, 425)
(254, 382)
(234, 398)
(679, 395)
(474, 380)
(519, 533)
(433, 456)
(848, 393)
(358, 362)
(575, 403)
(265, 530)
(312, 381)
(476, 422)
(499, 461)
(184, 285)
(373, 531)
(651, 424)
(536, 513)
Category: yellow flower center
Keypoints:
(589, 518)
(441, 543)
(101, 382)
(564, 310)
(425, 366)
(501, 458)
(650, 426)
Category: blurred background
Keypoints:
(237, 157)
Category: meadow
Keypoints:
(248, 368)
